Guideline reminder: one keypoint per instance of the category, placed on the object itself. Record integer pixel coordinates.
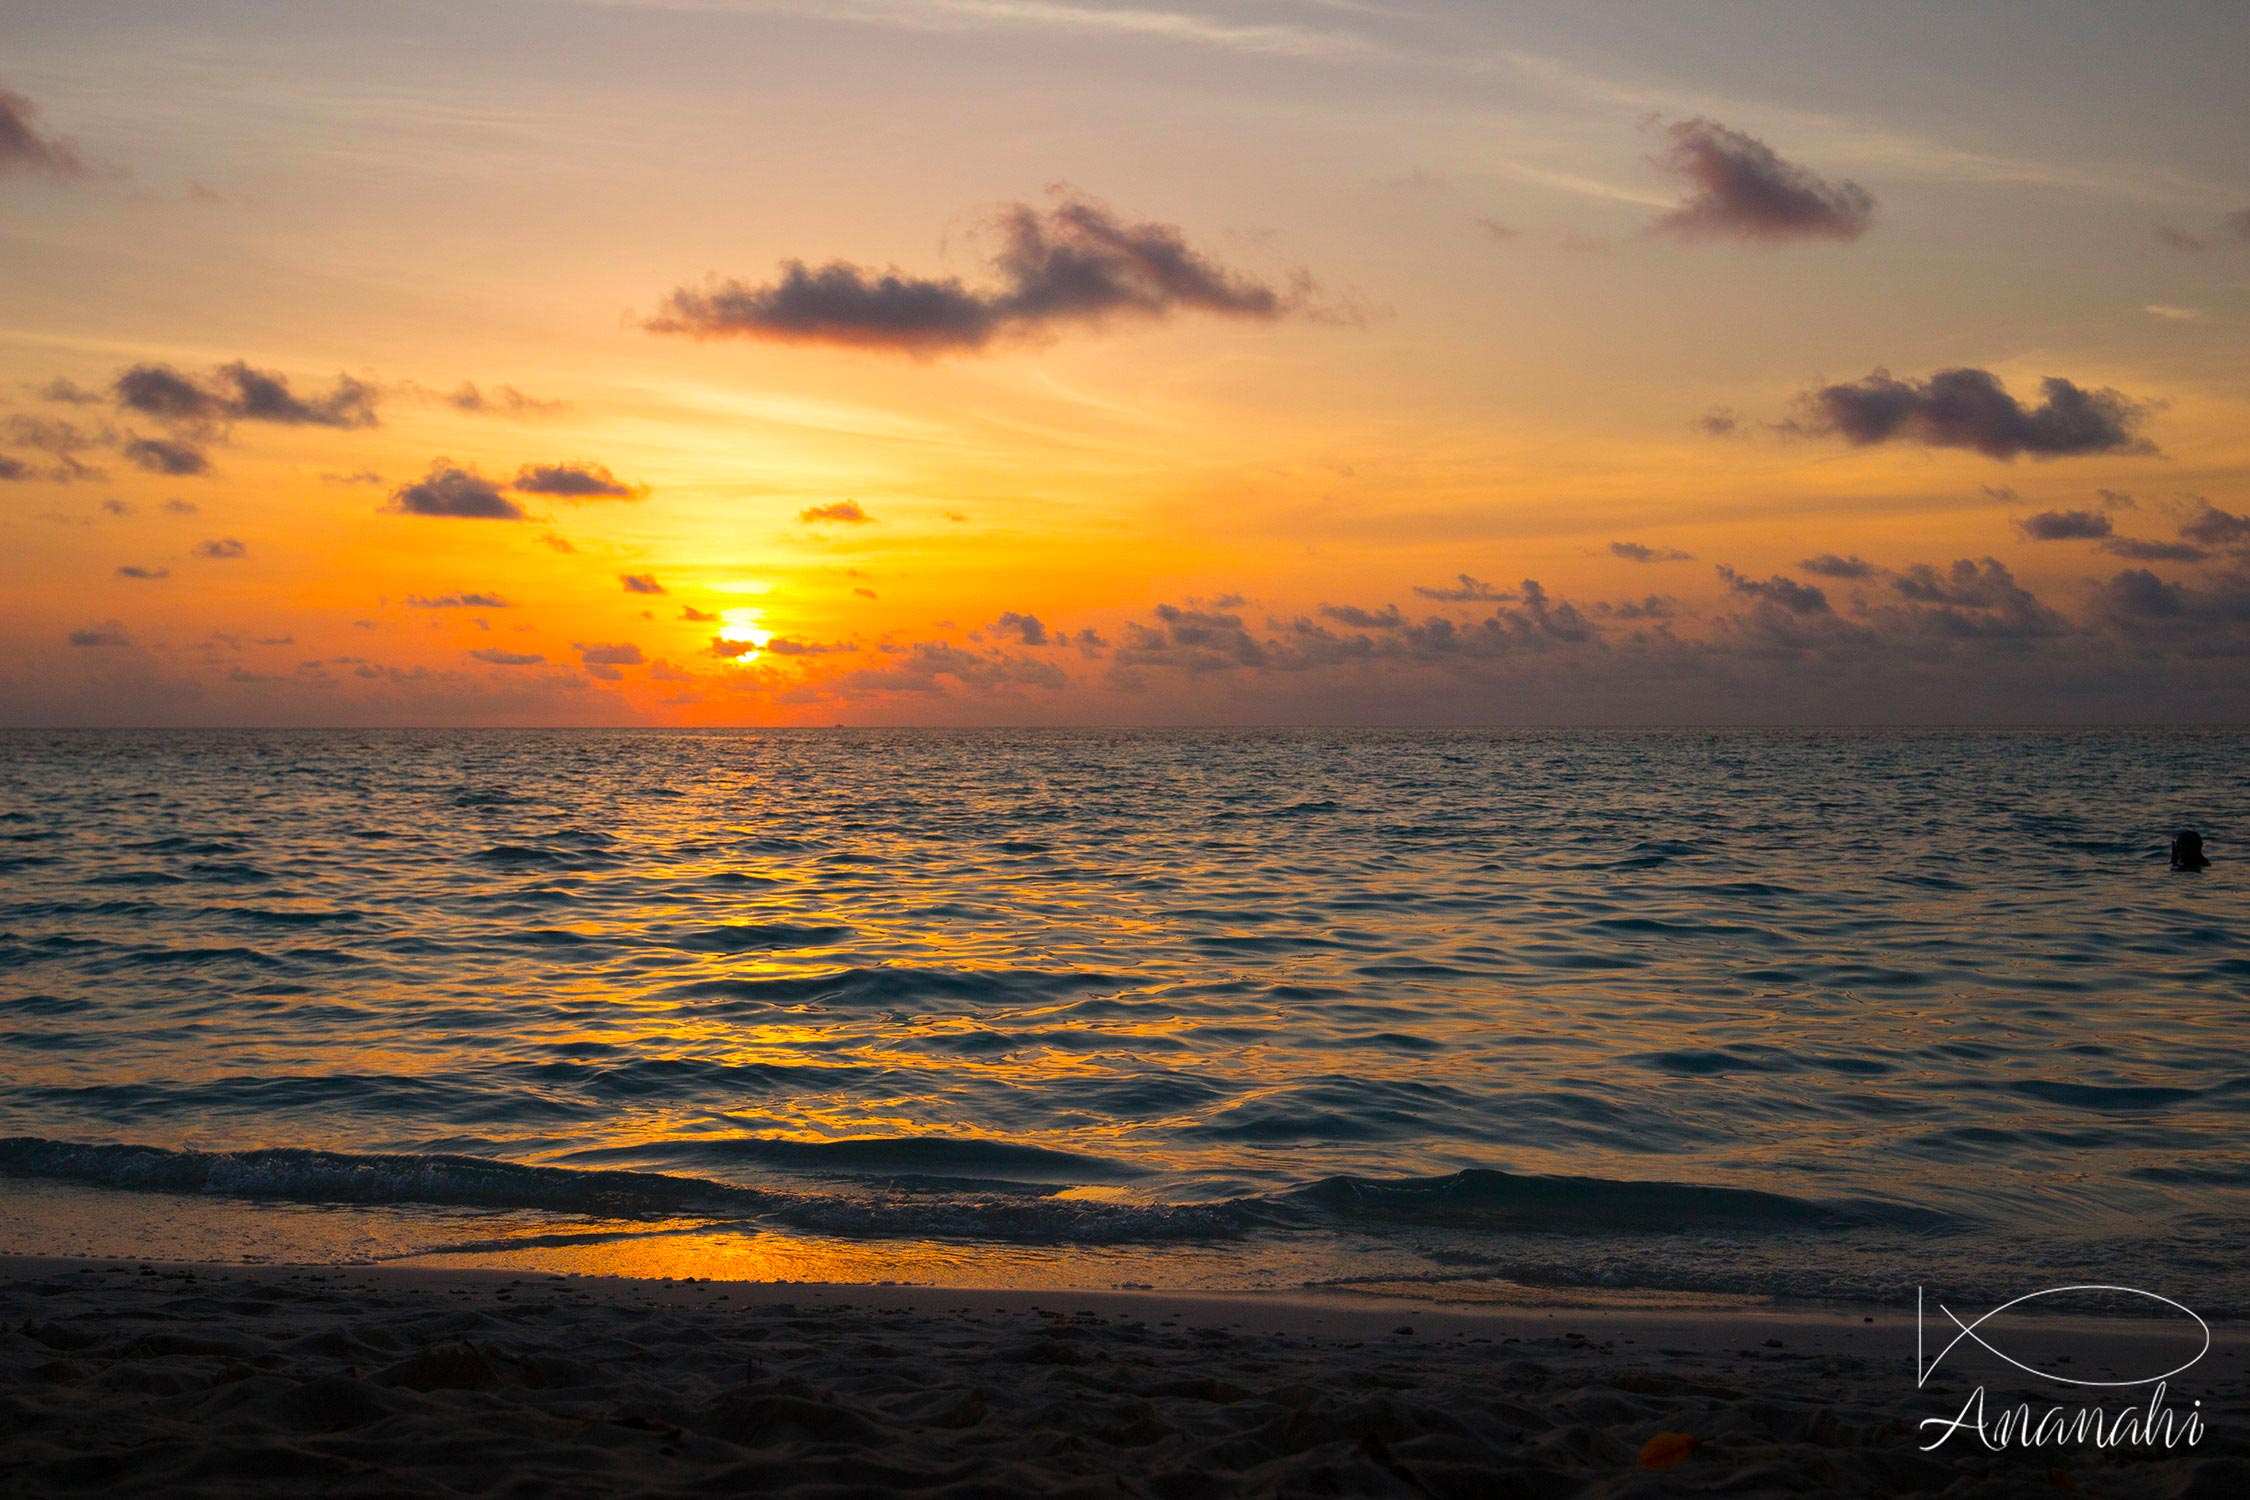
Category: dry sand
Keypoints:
(117, 1378)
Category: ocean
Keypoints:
(1627, 1016)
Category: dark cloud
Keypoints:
(1745, 191)
(641, 583)
(1025, 630)
(2180, 239)
(573, 482)
(149, 574)
(728, 648)
(221, 547)
(2139, 549)
(455, 493)
(1787, 593)
(789, 645)
(1969, 408)
(1719, 421)
(24, 147)
(165, 456)
(108, 633)
(844, 512)
(925, 666)
(179, 507)
(14, 468)
(1386, 618)
(456, 601)
(2209, 620)
(116, 507)
(1829, 565)
(357, 476)
(238, 392)
(613, 654)
(699, 616)
(1636, 552)
(1999, 491)
(501, 401)
(2116, 499)
(558, 543)
(493, 656)
(2214, 527)
(1076, 263)
(67, 392)
(1465, 590)
(62, 442)
(2065, 526)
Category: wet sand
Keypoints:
(126, 1378)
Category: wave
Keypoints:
(1476, 1200)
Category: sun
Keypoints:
(741, 627)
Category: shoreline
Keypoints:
(128, 1376)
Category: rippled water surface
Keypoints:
(1223, 1008)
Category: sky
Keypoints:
(773, 362)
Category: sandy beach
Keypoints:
(135, 1378)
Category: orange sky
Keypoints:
(1220, 344)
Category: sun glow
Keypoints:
(742, 628)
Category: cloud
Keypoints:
(221, 547)
(179, 507)
(559, 543)
(785, 645)
(1498, 230)
(1829, 565)
(1797, 598)
(1636, 552)
(150, 574)
(503, 401)
(699, 616)
(498, 658)
(108, 633)
(2180, 239)
(455, 493)
(1025, 630)
(357, 476)
(60, 441)
(618, 654)
(116, 507)
(728, 648)
(2171, 314)
(14, 468)
(2139, 550)
(641, 583)
(2065, 526)
(2215, 527)
(842, 512)
(1969, 408)
(239, 392)
(1744, 191)
(2204, 620)
(1386, 618)
(456, 601)
(1466, 590)
(164, 456)
(1719, 422)
(24, 147)
(1075, 264)
(573, 481)
(68, 392)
